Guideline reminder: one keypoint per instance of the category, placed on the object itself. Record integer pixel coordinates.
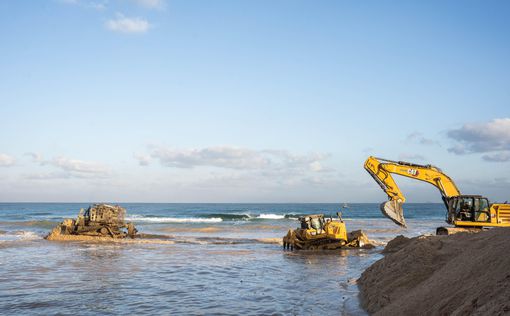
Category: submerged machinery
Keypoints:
(100, 220)
(317, 232)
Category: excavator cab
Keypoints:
(468, 208)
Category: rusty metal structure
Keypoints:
(102, 220)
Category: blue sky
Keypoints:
(250, 101)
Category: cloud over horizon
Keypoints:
(229, 157)
(491, 137)
(6, 160)
(79, 166)
(68, 168)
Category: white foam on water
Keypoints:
(271, 216)
(18, 236)
(138, 218)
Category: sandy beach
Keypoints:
(461, 274)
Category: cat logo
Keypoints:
(413, 172)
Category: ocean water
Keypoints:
(223, 259)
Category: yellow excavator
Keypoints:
(464, 212)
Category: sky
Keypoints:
(250, 101)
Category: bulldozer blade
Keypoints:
(394, 211)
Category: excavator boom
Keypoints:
(382, 169)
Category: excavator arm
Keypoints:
(382, 169)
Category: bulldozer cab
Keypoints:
(469, 208)
(315, 222)
(105, 214)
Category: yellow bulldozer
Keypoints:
(317, 233)
(464, 212)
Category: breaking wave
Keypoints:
(210, 218)
(248, 217)
(229, 216)
(18, 236)
(271, 216)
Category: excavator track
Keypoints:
(443, 231)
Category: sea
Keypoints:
(223, 259)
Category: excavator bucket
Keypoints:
(394, 211)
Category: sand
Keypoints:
(59, 237)
(55, 235)
(461, 274)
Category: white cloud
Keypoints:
(48, 175)
(497, 157)
(143, 160)
(151, 4)
(411, 157)
(101, 5)
(6, 160)
(69, 168)
(316, 166)
(36, 157)
(124, 24)
(247, 168)
(228, 157)
(79, 166)
(222, 157)
(417, 137)
(97, 6)
(493, 136)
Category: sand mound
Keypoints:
(396, 244)
(441, 275)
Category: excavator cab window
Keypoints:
(464, 209)
(482, 210)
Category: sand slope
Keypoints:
(462, 274)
